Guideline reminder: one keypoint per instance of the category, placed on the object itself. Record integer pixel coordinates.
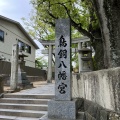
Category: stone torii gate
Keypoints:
(50, 51)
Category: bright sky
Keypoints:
(15, 10)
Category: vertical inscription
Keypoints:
(63, 60)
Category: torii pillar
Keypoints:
(50, 44)
(49, 76)
(49, 51)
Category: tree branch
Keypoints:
(52, 15)
(77, 26)
(50, 23)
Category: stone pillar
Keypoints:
(49, 75)
(63, 107)
(14, 67)
(63, 60)
(79, 57)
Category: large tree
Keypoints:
(82, 13)
(108, 12)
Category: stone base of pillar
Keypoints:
(23, 81)
(62, 109)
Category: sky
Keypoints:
(15, 10)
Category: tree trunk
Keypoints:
(99, 53)
(108, 12)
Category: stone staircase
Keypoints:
(23, 106)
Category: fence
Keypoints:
(5, 68)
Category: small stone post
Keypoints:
(14, 67)
(49, 75)
(63, 107)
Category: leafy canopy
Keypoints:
(40, 62)
(42, 21)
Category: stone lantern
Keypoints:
(22, 79)
(86, 58)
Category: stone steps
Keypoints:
(23, 106)
(33, 96)
(23, 113)
(3, 117)
(24, 101)
(35, 107)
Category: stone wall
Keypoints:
(102, 87)
(1, 85)
(93, 111)
(5, 68)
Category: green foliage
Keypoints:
(40, 62)
(42, 20)
(38, 29)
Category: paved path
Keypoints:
(42, 89)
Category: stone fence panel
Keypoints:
(102, 87)
(5, 68)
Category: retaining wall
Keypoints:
(102, 87)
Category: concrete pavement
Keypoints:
(42, 89)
